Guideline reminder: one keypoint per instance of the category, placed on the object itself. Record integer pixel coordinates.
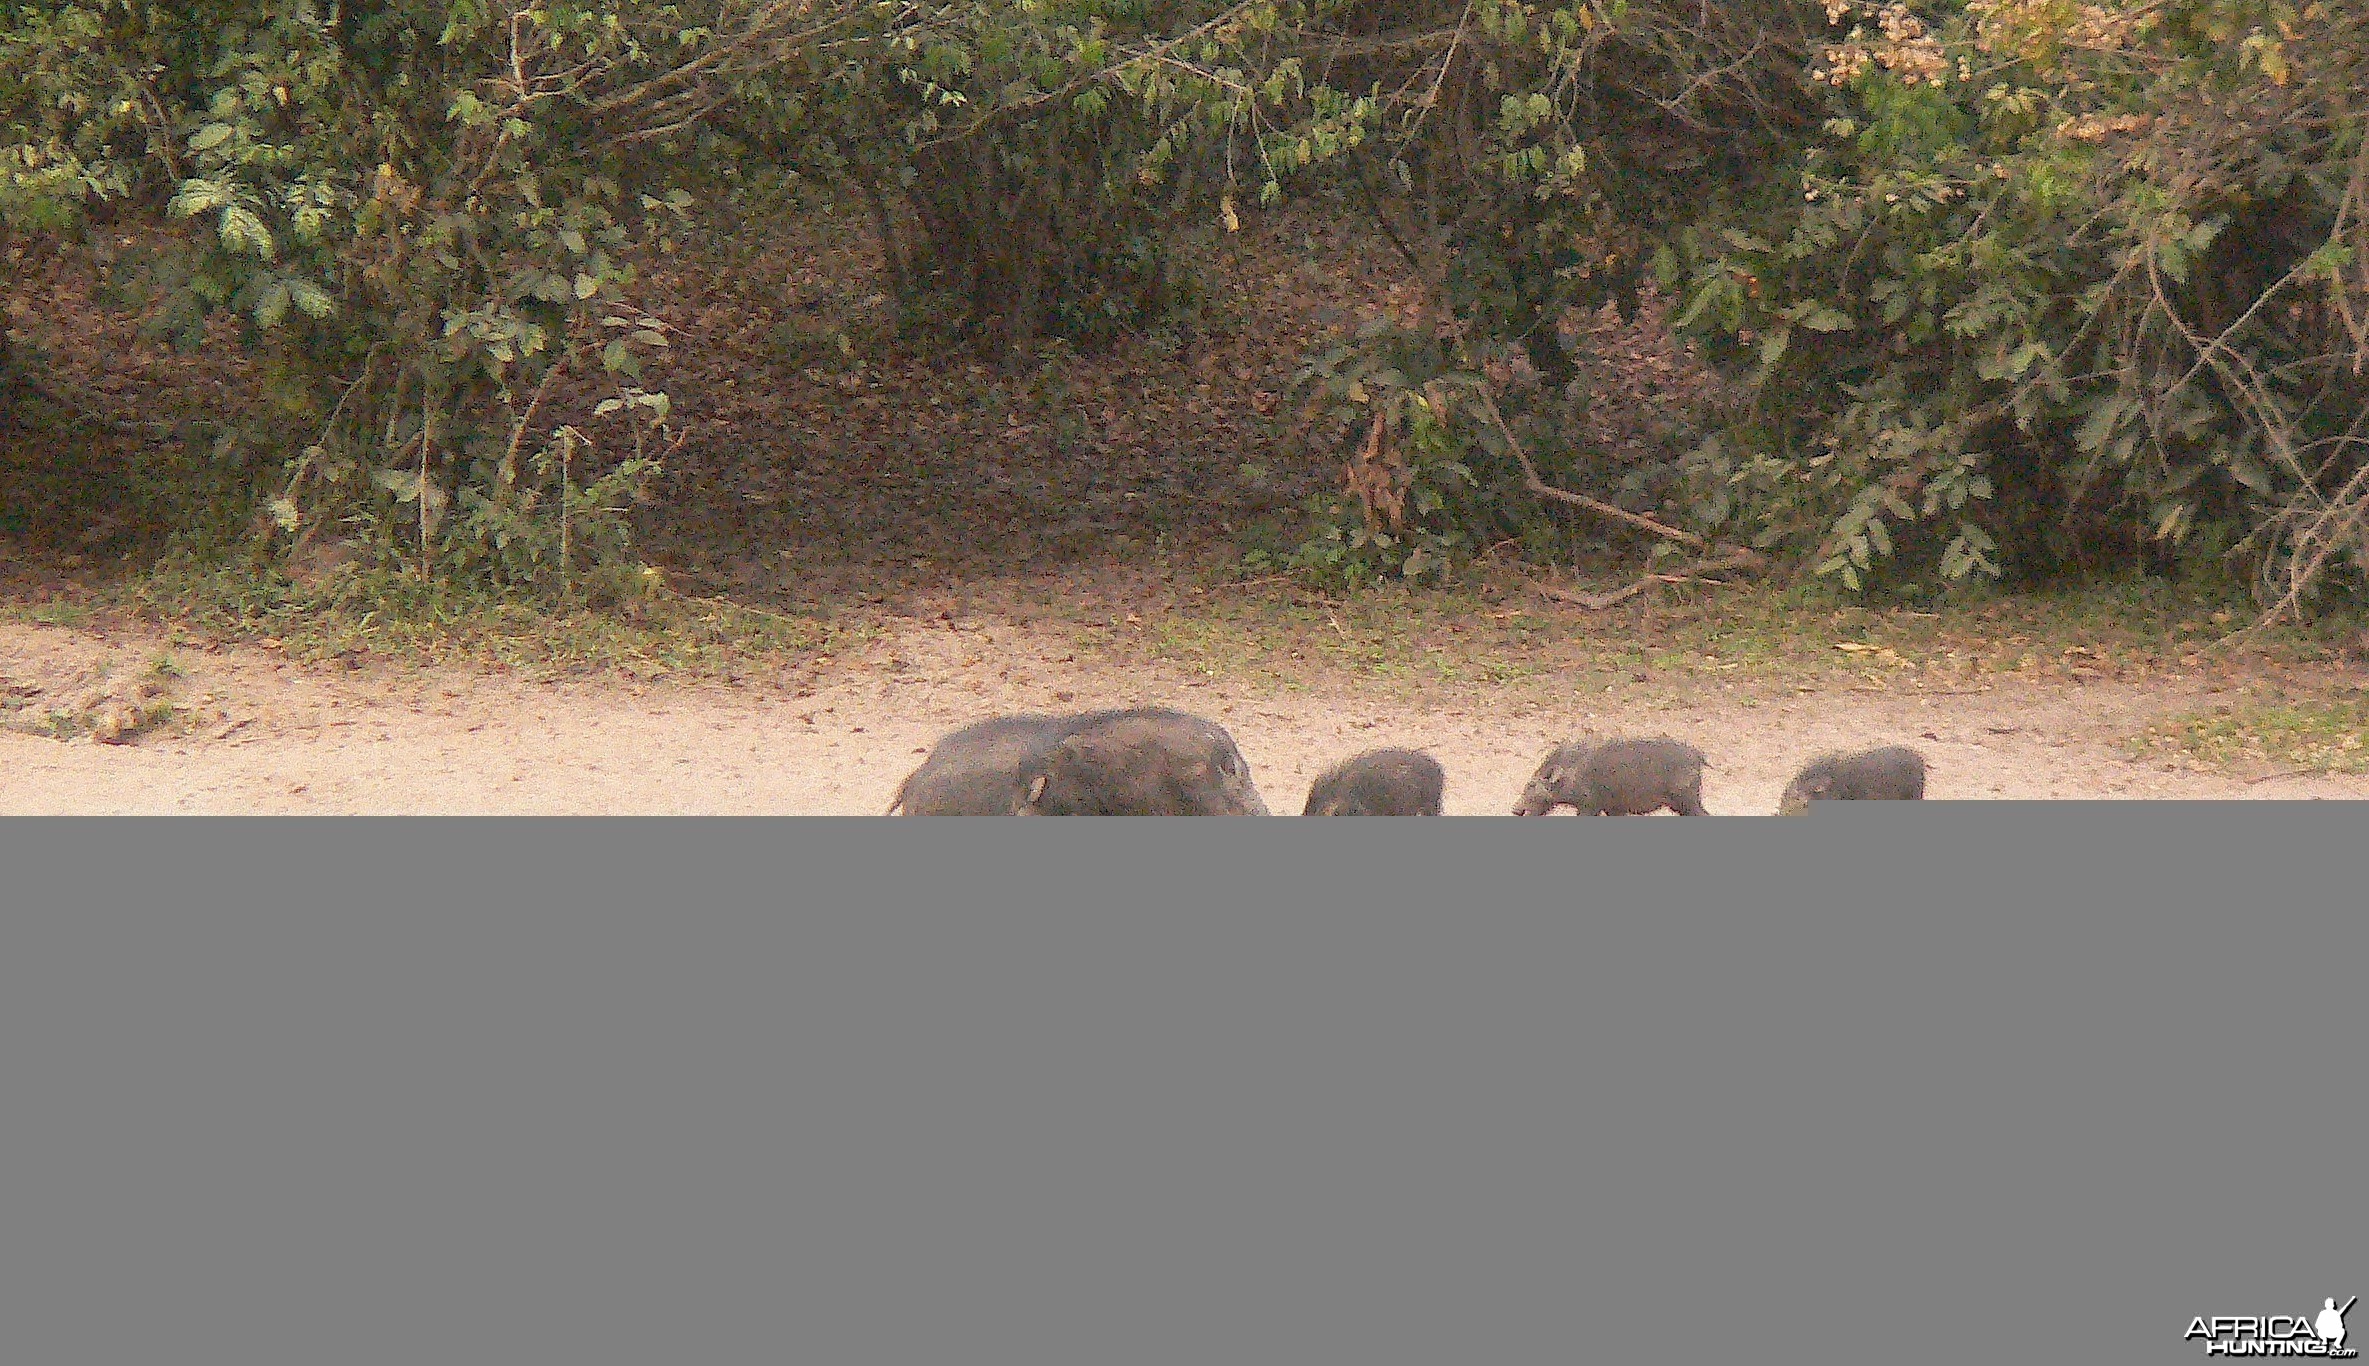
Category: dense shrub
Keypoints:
(2011, 285)
(2059, 281)
(425, 217)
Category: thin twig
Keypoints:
(518, 432)
(304, 462)
(1243, 583)
(422, 490)
(1594, 602)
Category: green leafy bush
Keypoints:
(2058, 284)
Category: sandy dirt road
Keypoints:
(264, 736)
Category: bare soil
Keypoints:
(256, 734)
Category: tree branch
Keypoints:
(1538, 485)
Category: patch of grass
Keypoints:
(1490, 633)
(56, 724)
(56, 612)
(406, 619)
(2310, 735)
(1499, 634)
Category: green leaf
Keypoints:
(404, 484)
(209, 137)
(1823, 319)
(243, 231)
(2274, 63)
(273, 306)
(2328, 260)
(2100, 424)
(197, 196)
(311, 298)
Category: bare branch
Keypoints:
(1532, 481)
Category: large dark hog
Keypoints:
(973, 771)
(1145, 762)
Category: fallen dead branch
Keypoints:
(1694, 573)
(1594, 602)
(1535, 483)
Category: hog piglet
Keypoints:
(1617, 778)
(1891, 773)
(1379, 782)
